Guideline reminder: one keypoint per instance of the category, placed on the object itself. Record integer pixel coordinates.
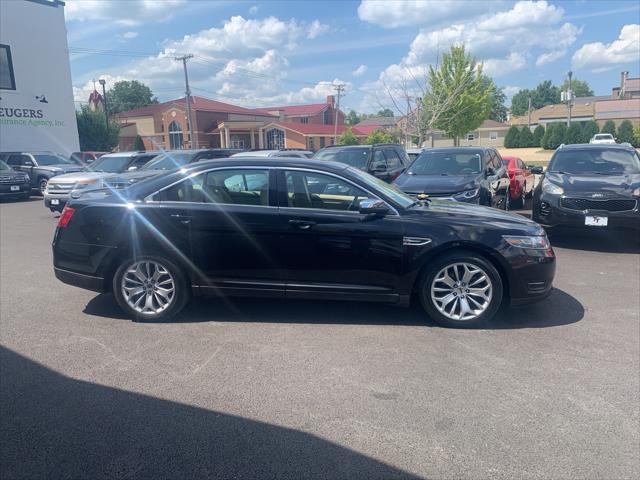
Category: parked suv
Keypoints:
(85, 158)
(58, 190)
(464, 174)
(40, 166)
(14, 183)
(384, 160)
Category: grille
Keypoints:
(61, 186)
(611, 205)
(7, 179)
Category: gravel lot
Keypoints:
(272, 389)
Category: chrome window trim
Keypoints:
(149, 199)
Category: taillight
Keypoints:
(65, 216)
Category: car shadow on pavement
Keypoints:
(559, 308)
(596, 240)
(54, 426)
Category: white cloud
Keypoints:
(81, 93)
(497, 67)
(133, 13)
(316, 29)
(128, 35)
(599, 57)
(511, 90)
(361, 70)
(254, 9)
(549, 57)
(402, 13)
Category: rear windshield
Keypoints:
(446, 163)
(169, 161)
(45, 159)
(354, 157)
(597, 161)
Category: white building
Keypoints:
(36, 96)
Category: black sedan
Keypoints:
(590, 186)
(462, 174)
(297, 229)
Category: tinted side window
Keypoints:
(404, 156)
(393, 161)
(378, 162)
(488, 161)
(14, 160)
(315, 190)
(497, 161)
(239, 187)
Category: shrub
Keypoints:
(511, 139)
(625, 132)
(574, 134)
(636, 137)
(138, 144)
(538, 133)
(546, 139)
(609, 127)
(525, 138)
(589, 129)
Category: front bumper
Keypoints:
(531, 274)
(56, 200)
(550, 212)
(22, 189)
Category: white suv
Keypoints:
(601, 138)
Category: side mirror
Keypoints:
(132, 168)
(536, 170)
(27, 163)
(371, 206)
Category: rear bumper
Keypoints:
(81, 280)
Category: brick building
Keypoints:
(219, 124)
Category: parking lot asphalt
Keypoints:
(292, 389)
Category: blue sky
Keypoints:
(288, 52)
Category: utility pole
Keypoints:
(419, 121)
(569, 99)
(529, 110)
(102, 82)
(339, 89)
(192, 135)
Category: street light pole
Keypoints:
(569, 99)
(103, 82)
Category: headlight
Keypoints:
(552, 188)
(636, 192)
(467, 194)
(26, 179)
(538, 242)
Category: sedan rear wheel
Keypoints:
(461, 290)
(150, 288)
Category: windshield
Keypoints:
(597, 161)
(446, 163)
(111, 163)
(391, 191)
(354, 157)
(45, 159)
(169, 161)
(4, 166)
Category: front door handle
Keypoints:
(301, 224)
(184, 219)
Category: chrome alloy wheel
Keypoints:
(148, 287)
(461, 291)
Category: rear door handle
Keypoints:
(302, 224)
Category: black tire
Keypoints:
(42, 185)
(459, 256)
(181, 290)
(519, 203)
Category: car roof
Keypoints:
(293, 162)
(458, 149)
(587, 146)
(363, 146)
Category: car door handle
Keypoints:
(302, 224)
(185, 219)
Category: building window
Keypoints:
(312, 144)
(7, 79)
(275, 139)
(304, 119)
(493, 135)
(237, 144)
(175, 136)
(471, 136)
(326, 117)
(321, 142)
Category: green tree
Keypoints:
(458, 90)
(93, 132)
(525, 138)
(498, 108)
(609, 127)
(538, 133)
(352, 118)
(625, 132)
(545, 142)
(386, 112)
(378, 136)
(348, 138)
(127, 95)
(512, 138)
(558, 135)
(138, 144)
(589, 129)
(574, 133)
(580, 88)
(636, 137)
(544, 94)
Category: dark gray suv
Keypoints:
(383, 160)
(40, 166)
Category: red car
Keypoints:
(521, 180)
